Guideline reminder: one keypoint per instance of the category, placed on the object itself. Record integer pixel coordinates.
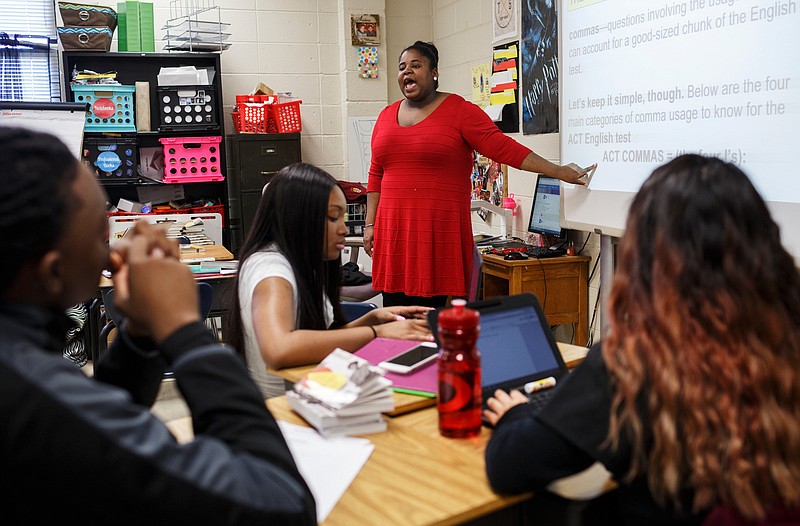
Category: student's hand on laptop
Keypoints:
(405, 330)
(501, 402)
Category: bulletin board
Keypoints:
(489, 180)
(505, 85)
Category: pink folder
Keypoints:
(424, 381)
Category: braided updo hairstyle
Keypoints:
(36, 173)
(427, 50)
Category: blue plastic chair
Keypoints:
(115, 318)
(353, 310)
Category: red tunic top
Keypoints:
(423, 229)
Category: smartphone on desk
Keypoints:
(412, 359)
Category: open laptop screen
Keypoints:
(515, 342)
(511, 342)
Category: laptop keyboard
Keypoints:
(536, 400)
(531, 250)
(544, 252)
(540, 399)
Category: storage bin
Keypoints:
(73, 14)
(110, 106)
(192, 159)
(287, 116)
(264, 114)
(187, 108)
(113, 159)
(85, 38)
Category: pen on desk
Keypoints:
(538, 385)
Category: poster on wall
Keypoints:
(504, 24)
(539, 67)
(359, 147)
(481, 84)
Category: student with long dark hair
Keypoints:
(692, 400)
(289, 280)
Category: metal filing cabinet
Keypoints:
(253, 159)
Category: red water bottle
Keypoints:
(460, 400)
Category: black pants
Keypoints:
(394, 299)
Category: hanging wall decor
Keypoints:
(365, 30)
(368, 62)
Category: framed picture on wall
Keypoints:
(365, 30)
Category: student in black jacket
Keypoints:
(89, 448)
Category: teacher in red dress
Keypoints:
(418, 225)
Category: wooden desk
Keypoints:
(560, 283)
(218, 252)
(413, 477)
(405, 403)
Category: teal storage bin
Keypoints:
(110, 106)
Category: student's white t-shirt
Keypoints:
(268, 263)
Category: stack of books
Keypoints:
(344, 395)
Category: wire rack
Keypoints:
(195, 25)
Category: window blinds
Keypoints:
(28, 53)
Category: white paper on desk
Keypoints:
(328, 465)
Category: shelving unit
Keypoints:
(145, 67)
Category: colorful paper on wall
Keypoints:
(368, 62)
(502, 81)
(506, 97)
(504, 76)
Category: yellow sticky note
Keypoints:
(504, 97)
(328, 379)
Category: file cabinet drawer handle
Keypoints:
(268, 174)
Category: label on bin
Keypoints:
(108, 161)
(103, 108)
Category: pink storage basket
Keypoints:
(191, 159)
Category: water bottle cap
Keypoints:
(509, 202)
(459, 317)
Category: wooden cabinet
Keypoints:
(253, 160)
(561, 284)
(193, 119)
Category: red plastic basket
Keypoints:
(263, 114)
(287, 116)
(254, 117)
